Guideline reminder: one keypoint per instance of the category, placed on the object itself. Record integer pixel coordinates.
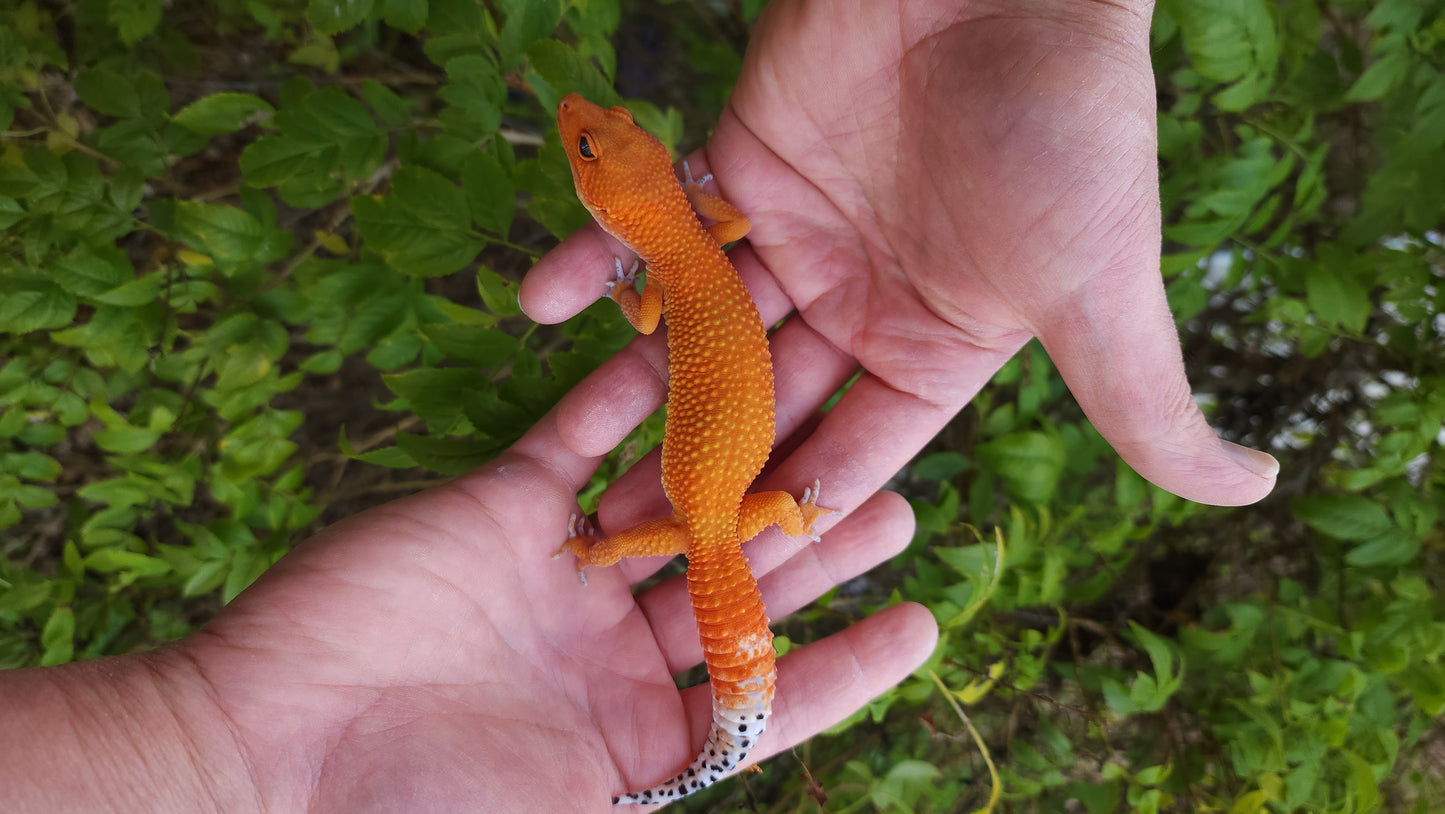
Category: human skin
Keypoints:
(966, 179)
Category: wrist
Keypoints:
(131, 733)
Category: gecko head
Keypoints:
(617, 166)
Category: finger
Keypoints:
(1121, 359)
(790, 576)
(571, 276)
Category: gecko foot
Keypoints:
(688, 180)
(623, 278)
(812, 511)
(580, 536)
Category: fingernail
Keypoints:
(1260, 463)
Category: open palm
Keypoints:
(927, 191)
(430, 655)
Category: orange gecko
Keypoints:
(719, 417)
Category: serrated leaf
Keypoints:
(448, 456)
(472, 344)
(431, 198)
(86, 273)
(1338, 298)
(410, 244)
(269, 160)
(489, 193)
(476, 90)
(1345, 517)
(435, 394)
(221, 113)
(1030, 463)
(34, 304)
(499, 295)
(1392, 547)
(228, 233)
(527, 23)
(567, 71)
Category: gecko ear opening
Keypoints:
(622, 112)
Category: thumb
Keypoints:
(1118, 350)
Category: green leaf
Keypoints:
(528, 22)
(1338, 298)
(126, 440)
(1030, 463)
(31, 465)
(1153, 694)
(108, 560)
(1381, 77)
(567, 72)
(471, 344)
(390, 457)
(205, 579)
(405, 15)
(107, 90)
(58, 638)
(435, 394)
(448, 456)
(499, 295)
(221, 113)
(11, 212)
(1345, 517)
(1390, 548)
(489, 193)
(335, 16)
(1362, 788)
(134, 20)
(426, 243)
(476, 92)
(390, 108)
(88, 273)
(34, 304)
(430, 198)
(227, 233)
(270, 160)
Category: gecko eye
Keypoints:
(584, 146)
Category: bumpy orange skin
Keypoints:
(719, 422)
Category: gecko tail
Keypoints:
(734, 733)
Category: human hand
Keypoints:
(970, 175)
(429, 654)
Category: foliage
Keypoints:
(258, 271)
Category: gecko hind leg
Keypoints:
(729, 223)
(665, 536)
(794, 517)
